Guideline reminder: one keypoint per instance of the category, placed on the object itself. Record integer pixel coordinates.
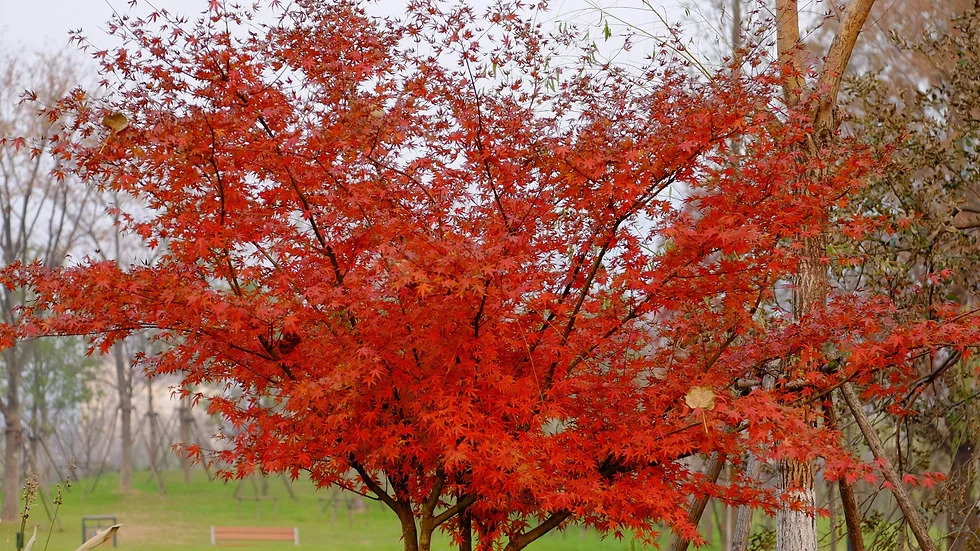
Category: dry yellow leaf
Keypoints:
(30, 542)
(117, 122)
(100, 538)
(700, 397)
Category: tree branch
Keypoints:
(838, 56)
(449, 513)
(522, 540)
(374, 486)
(891, 475)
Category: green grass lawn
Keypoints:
(181, 519)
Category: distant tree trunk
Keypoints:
(124, 383)
(13, 439)
(153, 445)
(736, 29)
(186, 420)
(726, 526)
(696, 509)
(962, 523)
(832, 506)
(34, 439)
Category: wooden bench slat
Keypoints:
(258, 537)
(253, 533)
(253, 530)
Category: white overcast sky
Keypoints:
(33, 25)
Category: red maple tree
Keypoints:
(411, 260)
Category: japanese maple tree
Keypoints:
(409, 259)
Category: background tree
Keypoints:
(57, 380)
(41, 212)
(928, 251)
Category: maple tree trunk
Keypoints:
(796, 527)
(713, 471)
(466, 531)
(410, 534)
(912, 516)
(796, 530)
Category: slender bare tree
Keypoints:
(41, 213)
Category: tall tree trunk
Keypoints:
(796, 530)
(124, 383)
(13, 439)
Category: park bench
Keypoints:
(253, 533)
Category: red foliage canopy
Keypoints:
(411, 260)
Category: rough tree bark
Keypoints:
(796, 527)
(743, 519)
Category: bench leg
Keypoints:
(296, 535)
(214, 543)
